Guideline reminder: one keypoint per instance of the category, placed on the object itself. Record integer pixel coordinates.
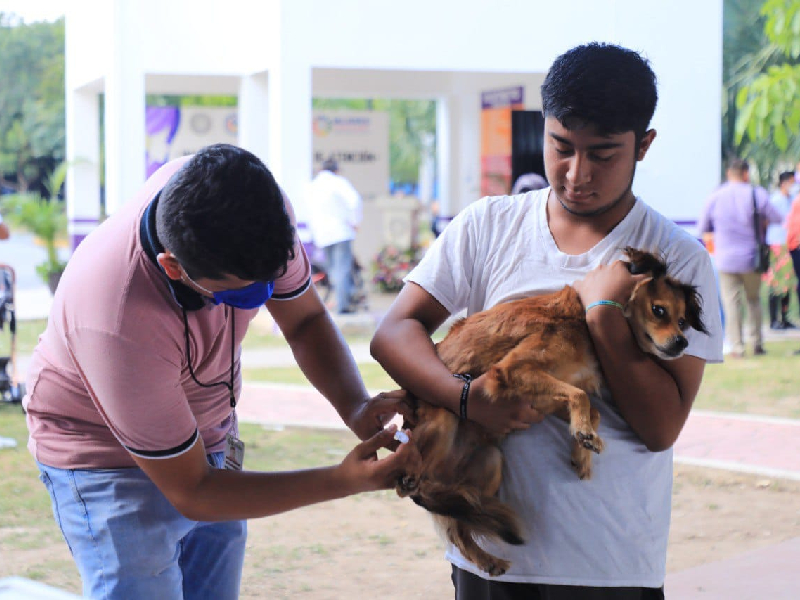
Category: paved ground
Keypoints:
(762, 445)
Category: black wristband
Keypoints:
(462, 406)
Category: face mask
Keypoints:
(251, 296)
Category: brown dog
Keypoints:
(537, 347)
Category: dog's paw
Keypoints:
(583, 468)
(406, 485)
(590, 441)
(496, 567)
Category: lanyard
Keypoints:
(233, 352)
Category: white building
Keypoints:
(275, 55)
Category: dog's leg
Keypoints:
(517, 375)
(582, 456)
(460, 535)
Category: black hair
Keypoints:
(223, 214)
(785, 176)
(738, 165)
(601, 85)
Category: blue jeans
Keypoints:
(129, 542)
(339, 259)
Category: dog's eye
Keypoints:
(683, 325)
(659, 311)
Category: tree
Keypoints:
(767, 103)
(32, 137)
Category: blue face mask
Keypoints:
(251, 296)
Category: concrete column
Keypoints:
(254, 115)
(83, 160)
(289, 129)
(444, 165)
(124, 114)
(458, 152)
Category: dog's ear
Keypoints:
(694, 308)
(644, 262)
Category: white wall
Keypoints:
(418, 48)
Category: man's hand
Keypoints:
(500, 418)
(607, 282)
(362, 471)
(374, 413)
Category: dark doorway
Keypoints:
(527, 143)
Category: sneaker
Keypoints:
(777, 325)
(789, 325)
(759, 351)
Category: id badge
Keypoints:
(234, 453)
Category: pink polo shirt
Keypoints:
(109, 376)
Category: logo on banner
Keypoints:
(322, 126)
(232, 124)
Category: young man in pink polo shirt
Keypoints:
(134, 383)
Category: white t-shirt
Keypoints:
(611, 530)
(334, 209)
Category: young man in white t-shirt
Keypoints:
(607, 537)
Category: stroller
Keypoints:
(10, 388)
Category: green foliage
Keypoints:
(162, 100)
(764, 89)
(44, 218)
(32, 138)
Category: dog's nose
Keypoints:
(679, 344)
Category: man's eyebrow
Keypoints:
(601, 146)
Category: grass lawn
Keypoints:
(32, 545)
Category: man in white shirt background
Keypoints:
(334, 208)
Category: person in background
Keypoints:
(334, 209)
(4, 231)
(729, 213)
(792, 225)
(780, 279)
(528, 182)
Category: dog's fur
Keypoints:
(537, 347)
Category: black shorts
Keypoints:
(472, 587)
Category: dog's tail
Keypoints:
(486, 515)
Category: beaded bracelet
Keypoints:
(605, 303)
(462, 406)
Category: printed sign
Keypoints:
(172, 132)
(359, 141)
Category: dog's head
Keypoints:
(661, 309)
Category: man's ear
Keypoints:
(170, 264)
(644, 144)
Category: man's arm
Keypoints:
(325, 359)
(202, 493)
(402, 345)
(654, 396)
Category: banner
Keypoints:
(172, 132)
(496, 107)
(359, 141)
